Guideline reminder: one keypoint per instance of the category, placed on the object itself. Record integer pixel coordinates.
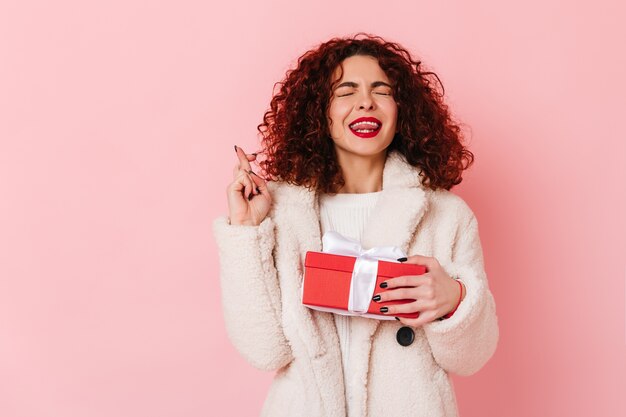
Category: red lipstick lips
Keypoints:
(365, 127)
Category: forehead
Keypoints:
(360, 66)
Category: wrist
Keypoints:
(460, 298)
(236, 222)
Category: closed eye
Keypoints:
(348, 94)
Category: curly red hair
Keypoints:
(295, 134)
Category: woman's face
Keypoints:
(363, 93)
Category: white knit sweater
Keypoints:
(346, 214)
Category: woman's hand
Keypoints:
(249, 199)
(435, 292)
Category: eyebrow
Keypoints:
(355, 85)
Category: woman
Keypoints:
(357, 141)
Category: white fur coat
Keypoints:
(261, 270)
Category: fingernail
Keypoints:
(235, 148)
(257, 190)
(383, 285)
(250, 197)
(398, 318)
(384, 309)
(254, 153)
(376, 297)
(402, 259)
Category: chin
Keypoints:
(364, 152)
(369, 148)
(363, 147)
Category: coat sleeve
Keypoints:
(463, 343)
(250, 292)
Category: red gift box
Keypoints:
(327, 279)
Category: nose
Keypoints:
(366, 101)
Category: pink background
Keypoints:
(117, 126)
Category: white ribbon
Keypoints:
(365, 269)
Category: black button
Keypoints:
(405, 336)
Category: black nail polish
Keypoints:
(254, 153)
(398, 318)
(376, 297)
(384, 309)
(250, 197)
(383, 285)
(402, 259)
(257, 190)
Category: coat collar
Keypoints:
(392, 222)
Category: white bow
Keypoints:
(365, 268)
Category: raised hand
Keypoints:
(249, 200)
